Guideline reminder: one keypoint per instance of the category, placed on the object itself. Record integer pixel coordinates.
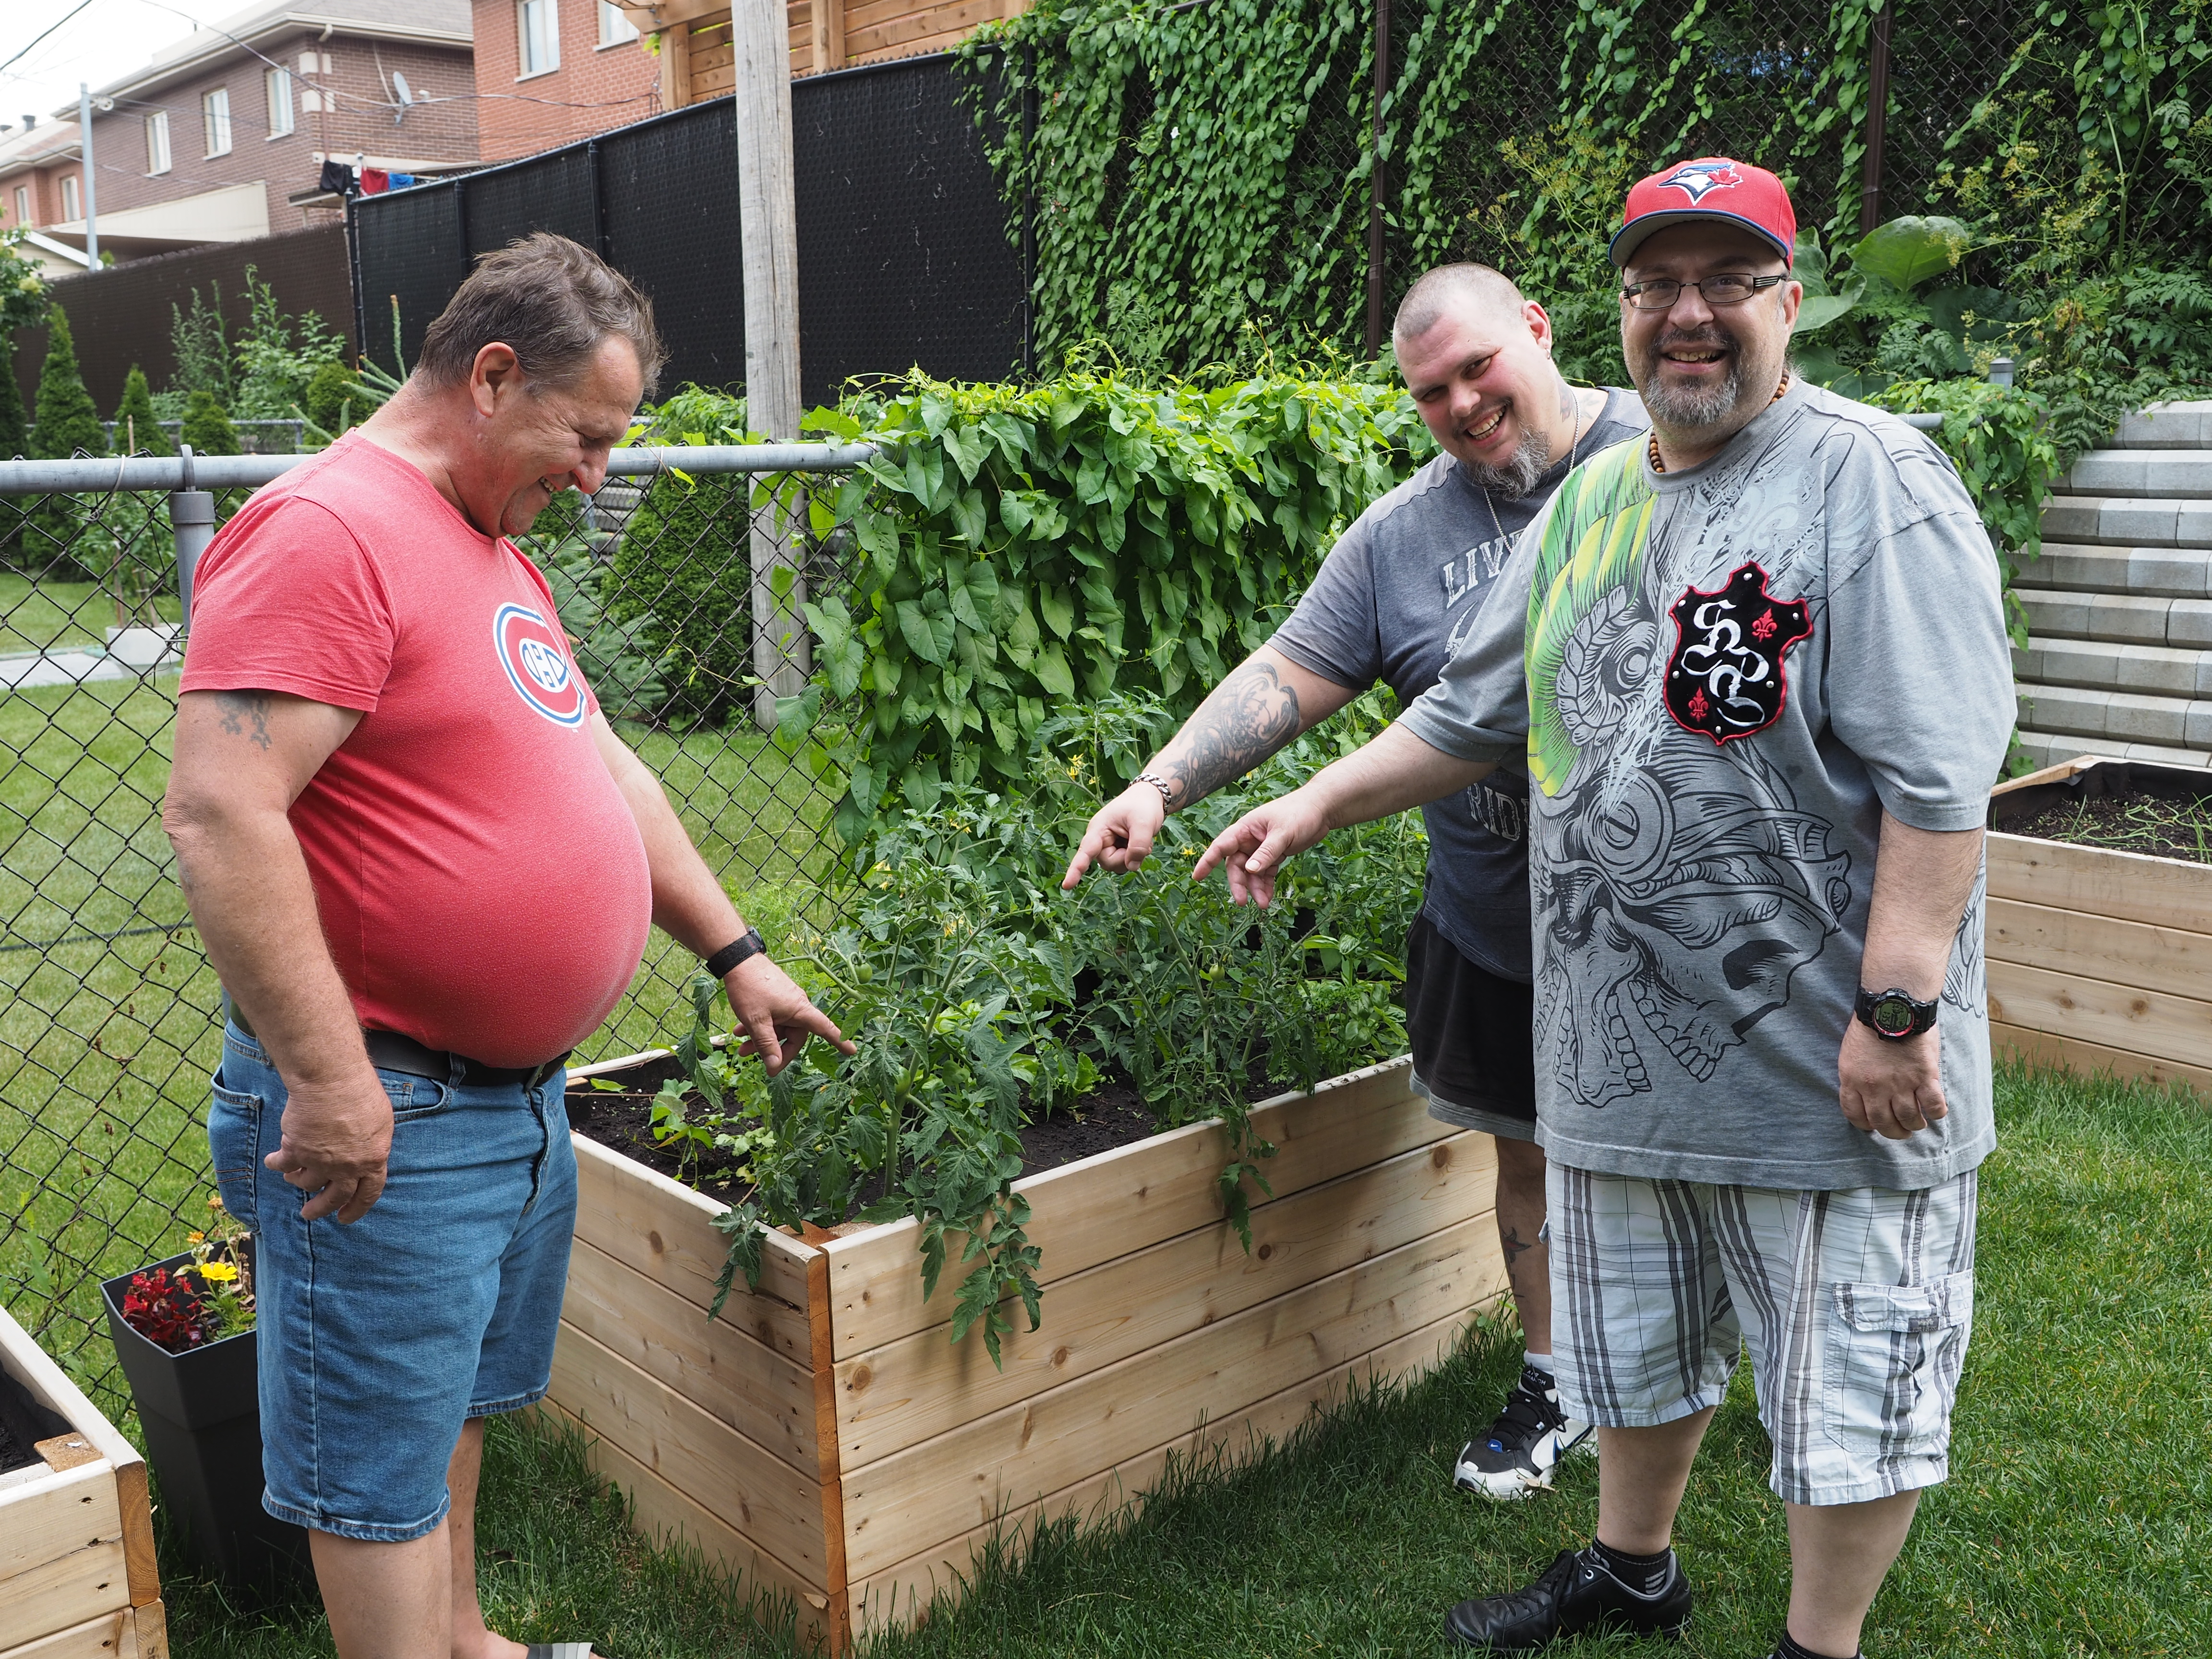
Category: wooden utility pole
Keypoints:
(767, 229)
(1375, 273)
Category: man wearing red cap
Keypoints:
(1762, 687)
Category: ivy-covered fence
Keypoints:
(1201, 179)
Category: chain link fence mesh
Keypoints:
(110, 1015)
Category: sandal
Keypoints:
(559, 1650)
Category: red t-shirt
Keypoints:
(480, 879)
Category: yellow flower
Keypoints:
(221, 1272)
(197, 1238)
(214, 1200)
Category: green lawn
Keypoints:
(108, 1011)
(34, 615)
(2076, 1522)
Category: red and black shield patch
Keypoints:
(1726, 677)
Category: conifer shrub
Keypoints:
(138, 430)
(68, 420)
(207, 428)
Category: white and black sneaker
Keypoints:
(1529, 1439)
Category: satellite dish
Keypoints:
(399, 86)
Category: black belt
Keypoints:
(389, 1051)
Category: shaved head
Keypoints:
(1447, 290)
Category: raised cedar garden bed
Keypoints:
(2101, 959)
(77, 1578)
(823, 1436)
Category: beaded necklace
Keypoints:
(1658, 465)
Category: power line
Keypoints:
(49, 29)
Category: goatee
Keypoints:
(1523, 470)
(1692, 406)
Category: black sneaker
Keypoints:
(1528, 1440)
(1576, 1594)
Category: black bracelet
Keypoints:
(745, 946)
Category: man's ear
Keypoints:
(1539, 323)
(496, 369)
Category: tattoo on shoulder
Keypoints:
(245, 714)
(1250, 715)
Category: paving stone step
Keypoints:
(2159, 670)
(2121, 618)
(2048, 748)
(2127, 521)
(2174, 573)
(2155, 474)
(2166, 426)
(2125, 716)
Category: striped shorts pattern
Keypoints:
(1856, 1307)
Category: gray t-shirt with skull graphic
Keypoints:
(1723, 678)
(1390, 603)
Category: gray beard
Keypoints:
(1531, 458)
(1690, 407)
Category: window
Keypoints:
(157, 142)
(279, 82)
(72, 203)
(615, 27)
(539, 36)
(22, 204)
(214, 117)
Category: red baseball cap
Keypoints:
(1710, 187)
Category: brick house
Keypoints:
(221, 136)
(549, 72)
(35, 156)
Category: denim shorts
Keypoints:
(377, 1341)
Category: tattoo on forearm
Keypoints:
(241, 707)
(1511, 1239)
(1250, 715)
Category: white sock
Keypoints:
(1541, 1361)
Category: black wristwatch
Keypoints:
(745, 946)
(1895, 1015)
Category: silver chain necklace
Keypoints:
(1574, 449)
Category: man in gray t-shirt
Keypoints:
(1414, 575)
(1762, 687)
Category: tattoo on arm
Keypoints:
(1511, 1239)
(241, 709)
(1250, 715)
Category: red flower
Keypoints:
(162, 1308)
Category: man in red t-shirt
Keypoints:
(424, 866)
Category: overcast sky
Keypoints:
(105, 41)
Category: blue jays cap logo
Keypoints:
(538, 665)
(1695, 180)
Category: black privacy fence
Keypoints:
(904, 256)
(679, 592)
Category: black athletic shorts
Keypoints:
(1472, 1036)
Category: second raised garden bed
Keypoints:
(824, 1437)
(2100, 960)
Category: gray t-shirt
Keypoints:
(1392, 600)
(1722, 677)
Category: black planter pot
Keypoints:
(201, 1413)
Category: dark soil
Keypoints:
(1111, 1116)
(14, 1454)
(2127, 822)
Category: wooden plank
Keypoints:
(118, 1635)
(664, 1230)
(765, 1395)
(66, 1451)
(2099, 947)
(1098, 1208)
(828, 18)
(28, 1363)
(921, 48)
(2089, 1058)
(662, 1512)
(920, 1497)
(956, 22)
(148, 1623)
(2154, 1022)
(751, 1490)
(712, 83)
(898, 1593)
(831, 1489)
(675, 77)
(56, 1516)
(83, 1582)
(2126, 886)
(898, 1395)
(651, 15)
(707, 58)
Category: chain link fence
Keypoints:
(109, 1011)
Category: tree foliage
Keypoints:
(206, 427)
(138, 430)
(68, 420)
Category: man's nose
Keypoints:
(589, 474)
(1690, 309)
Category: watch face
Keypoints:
(1893, 1016)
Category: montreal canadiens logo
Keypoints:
(1696, 179)
(531, 653)
(1726, 677)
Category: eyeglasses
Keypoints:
(1661, 293)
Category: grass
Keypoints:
(2076, 1522)
(108, 1011)
(37, 614)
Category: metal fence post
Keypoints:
(191, 515)
(1375, 275)
(1877, 120)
